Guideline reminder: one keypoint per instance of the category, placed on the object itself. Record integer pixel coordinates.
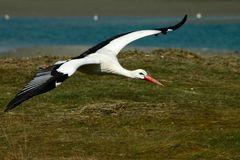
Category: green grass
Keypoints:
(195, 116)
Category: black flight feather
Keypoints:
(44, 81)
(165, 29)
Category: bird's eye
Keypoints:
(141, 73)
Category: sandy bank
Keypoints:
(118, 8)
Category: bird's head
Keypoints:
(141, 74)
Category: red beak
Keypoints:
(150, 79)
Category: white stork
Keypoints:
(103, 57)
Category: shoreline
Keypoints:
(75, 50)
(209, 19)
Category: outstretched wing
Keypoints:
(115, 44)
(44, 81)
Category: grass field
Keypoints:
(195, 116)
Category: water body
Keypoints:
(221, 33)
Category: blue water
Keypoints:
(30, 32)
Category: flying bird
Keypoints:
(102, 58)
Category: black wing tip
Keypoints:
(175, 27)
(8, 108)
(179, 24)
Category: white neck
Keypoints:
(124, 72)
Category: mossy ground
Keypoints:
(195, 116)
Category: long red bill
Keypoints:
(150, 79)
